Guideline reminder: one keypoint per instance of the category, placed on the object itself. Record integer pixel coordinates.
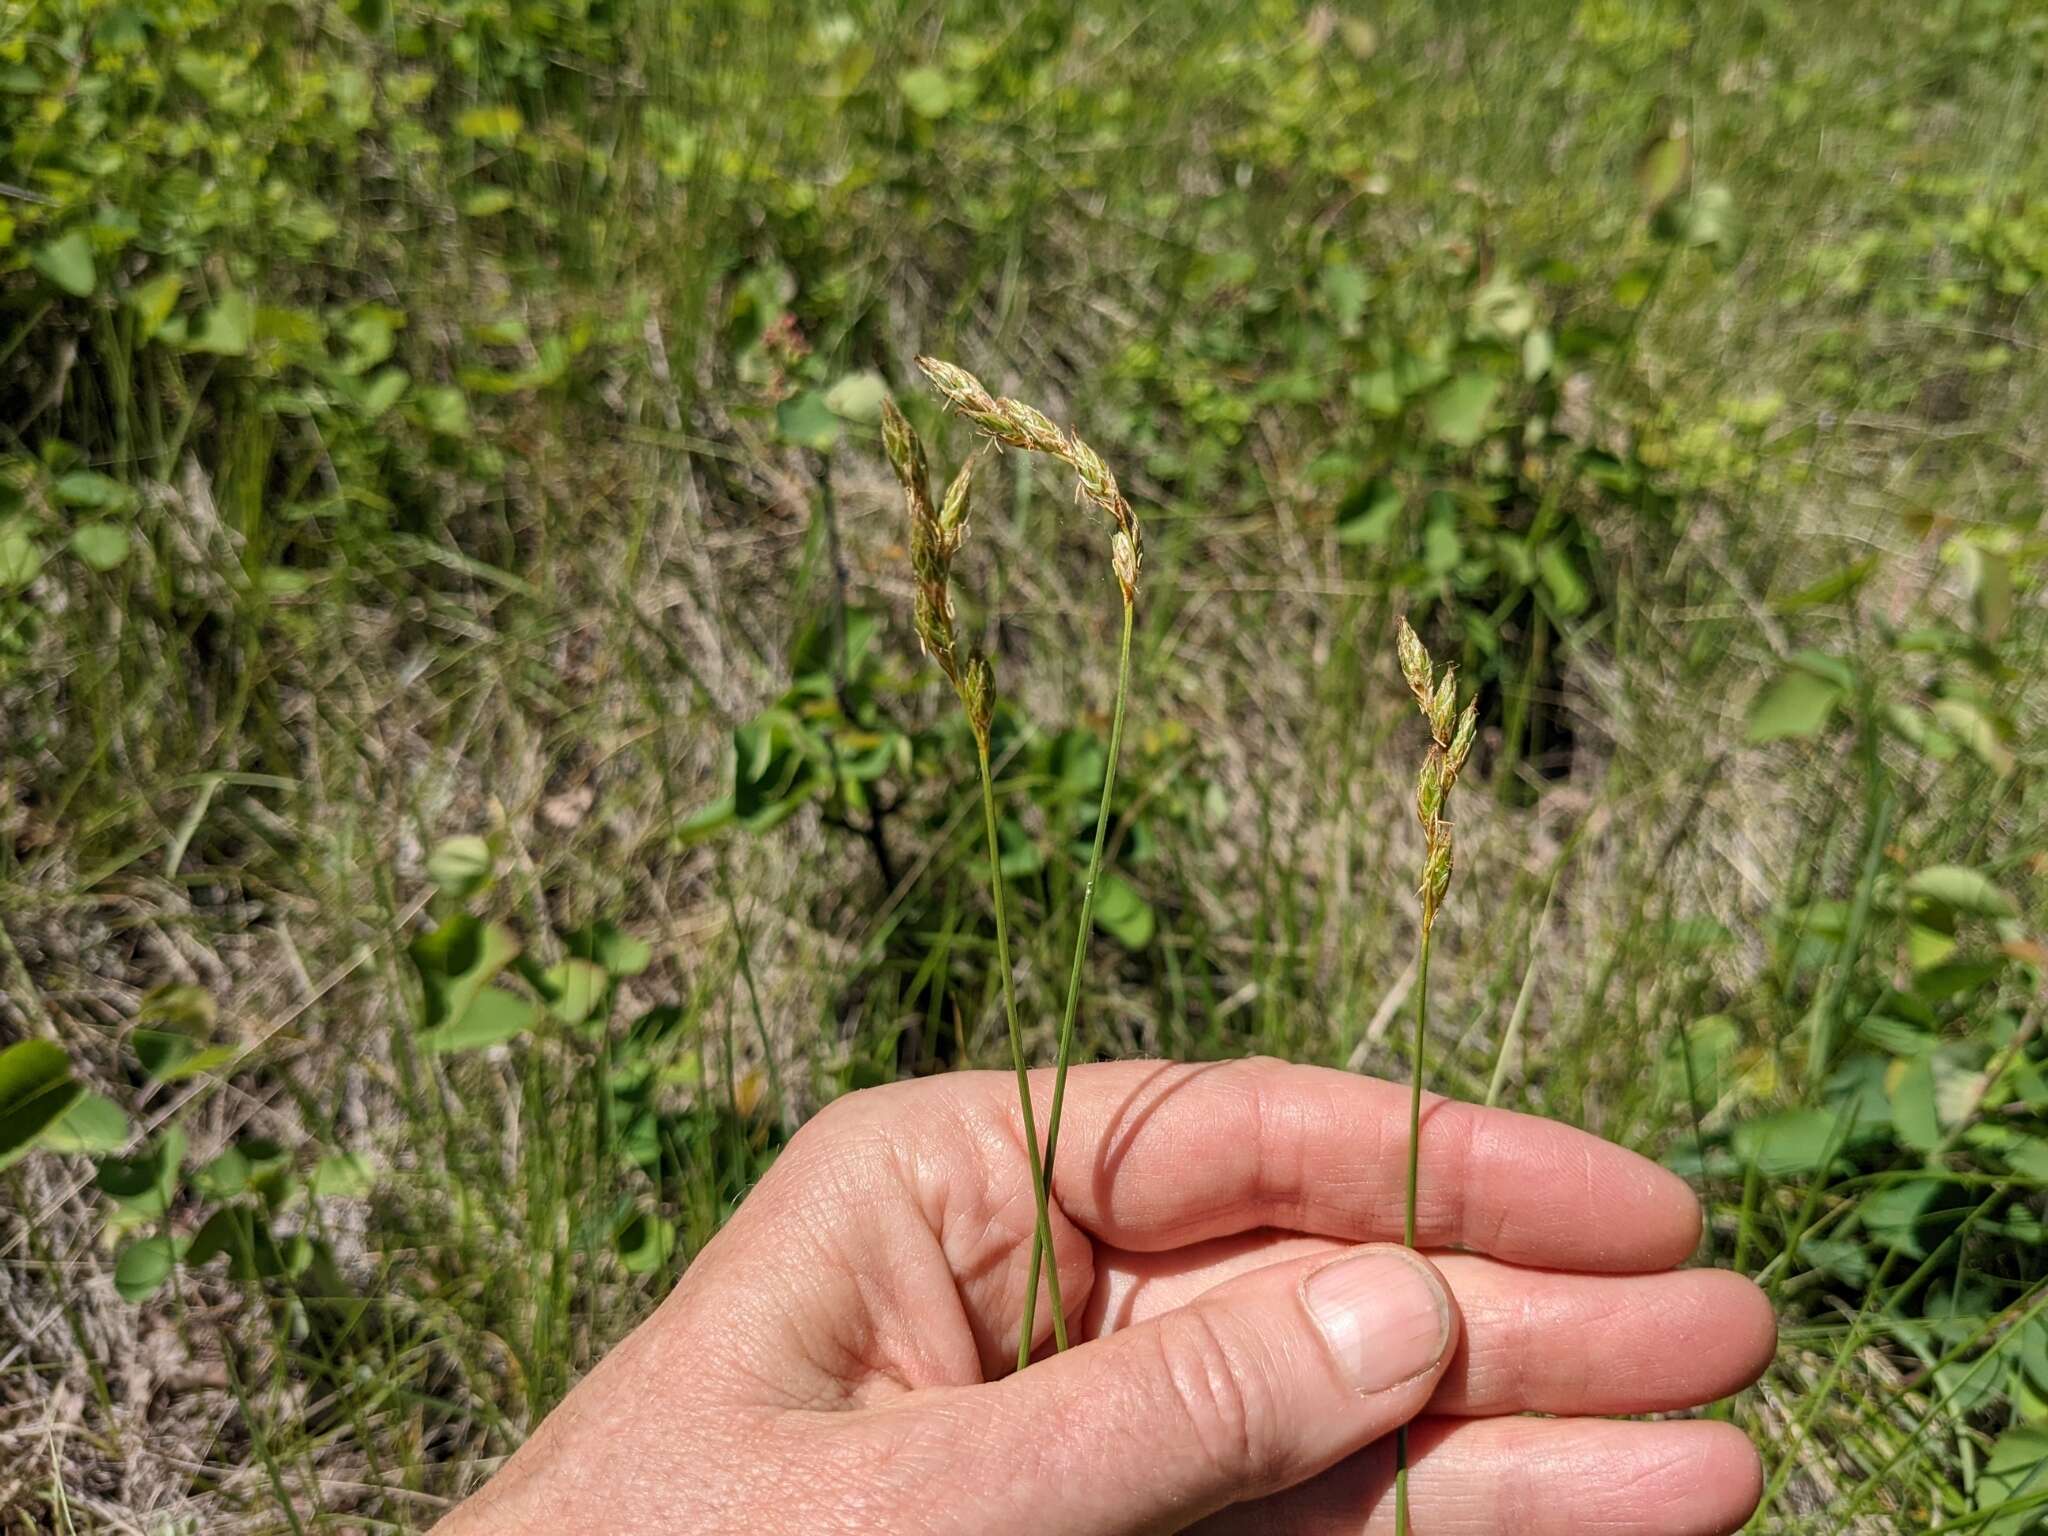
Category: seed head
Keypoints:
(977, 691)
(1461, 739)
(966, 395)
(1443, 705)
(1430, 785)
(1017, 425)
(1123, 557)
(1451, 737)
(1414, 662)
(953, 510)
(906, 452)
(1030, 429)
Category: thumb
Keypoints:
(1266, 1380)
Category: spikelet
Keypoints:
(1017, 425)
(1451, 736)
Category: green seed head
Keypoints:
(1029, 428)
(906, 452)
(1461, 739)
(953, 510)
(1414, 662)
(1430, 786)
(1123, 558)
(978, 695)
(1442, 706)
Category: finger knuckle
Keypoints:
(1227, 1414)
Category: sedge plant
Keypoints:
(935, 538)
(1013, 424)
(1450, 744)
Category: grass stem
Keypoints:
(1042, 1243)
(1408, 1208)
(1081, 932)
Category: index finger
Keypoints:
(1153, 1155)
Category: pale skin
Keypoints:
(1246, 1338)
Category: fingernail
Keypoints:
(1383, 1314)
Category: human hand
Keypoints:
(841, 1356)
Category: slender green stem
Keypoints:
(1042, 1243)
(1073, 1007)
(1408, 1211)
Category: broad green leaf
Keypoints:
(645, 1241)
(224, 328)
(168, 1056)
(1662, 165)
(456, 961)
(460, 865)
(142, 1185)
(609, 946)
(574, 989)
(154, 300)
(443, 409)
(103, 546)
(1458, 411)
(91, 489)
(21, 557)
(1122, 913)
(2015, 1473)
(1368, 514)
(1957, 889)
(143, 1267)
(1799, 703)
(485, 201)
(94, 1124)
(493, 1016)
(341, 1175)
(1963, 719)
(928, 91)
(858, 396)
(1793, 1141)
(67, 262)
(806, 421)
(1894, 1213)
(181, 1006)
(1561, 576)
(496, 125)
(36, 1089)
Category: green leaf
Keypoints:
(644, 1242)
(94, 1124)
(36, 1089)
(806, 421)
(574, 989)
(456, 961)
(496, 125)
(1799, 703)
(928, 91)
(1893, 1214)
(2015, 1471)
(857, 396)
(1966, 892)
(1792, 1141)
(1368, 514)
(609, 946)
(21, 557)
(341, 1175)
(1968, 722)
(485, 201)
(1122, 913)
(154, 300)
(103, 546)
(168, 1056)
(89, 488)
(493, 1016)
(1459, 409)
(460, 865)
(143, 1267)
(67, 262)
(142, 1185)
(1561, 576)
(224, 328)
